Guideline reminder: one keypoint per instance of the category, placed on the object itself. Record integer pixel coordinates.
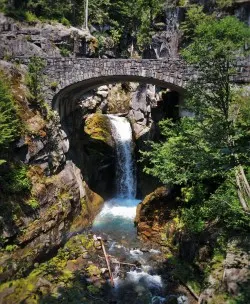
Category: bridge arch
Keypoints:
(76, 76)
(74, 91)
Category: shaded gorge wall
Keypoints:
(91, 146)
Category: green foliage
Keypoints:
(9, 121)
(33, 203)
(2, 5)
(30, 17)
(93, 289)
(194, 17)
(64, 51)
(201, 153)
(14, 179)
(11, 248)
(65, 21)
(224, 3)
(34, 79)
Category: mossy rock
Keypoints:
(98, 127)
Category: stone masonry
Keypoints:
(70, 77)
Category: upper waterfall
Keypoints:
(125, 169)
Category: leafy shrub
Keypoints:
(33, 203)
(9, 121)
(34, 78)
(64, 51)
(65, 21)
(30, 17)
(14, 179)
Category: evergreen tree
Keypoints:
(9, 122)
(202, 153)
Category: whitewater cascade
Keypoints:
(125, 169)
(135, 284)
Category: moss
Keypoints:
(187, 273)
(97, 126)
(54, 273)
(11, 248)
(93, 270)
(93, 289)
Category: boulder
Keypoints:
(231, 275)
(153, 213)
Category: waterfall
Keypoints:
(125, 169)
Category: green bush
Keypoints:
(34, 79)
(30, 17)
(9, 121)
(33, 203)
(64, 51)
(65, 21)
(14, 179)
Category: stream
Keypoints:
(139, 284)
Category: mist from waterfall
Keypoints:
(125, 168)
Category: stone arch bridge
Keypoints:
(75, 76)
(67, 78)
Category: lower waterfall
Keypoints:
(139, 284)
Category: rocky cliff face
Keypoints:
(37, 223)
(43, 40)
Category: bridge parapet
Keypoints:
(76, 75)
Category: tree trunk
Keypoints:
(86, 14)
(240, 192)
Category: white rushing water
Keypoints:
(115, 222)
(125, 177)
(117, 215)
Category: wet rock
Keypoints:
(97, 126)
(154, 209)
(103, 94)
(138, 115)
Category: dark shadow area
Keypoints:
(77, 89)
(167, 107)
(94, 157)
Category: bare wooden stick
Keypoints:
(121, 263)
(190, 289)
(246, 184)
(240, 195)
(107, 261)
(117, 262)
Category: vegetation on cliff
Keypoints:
(13, 177)
(122, 21)
(203, 153)
(9, 120)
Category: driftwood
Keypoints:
(190, 290)
(118, 262)
(243, 188)
(99, 239)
